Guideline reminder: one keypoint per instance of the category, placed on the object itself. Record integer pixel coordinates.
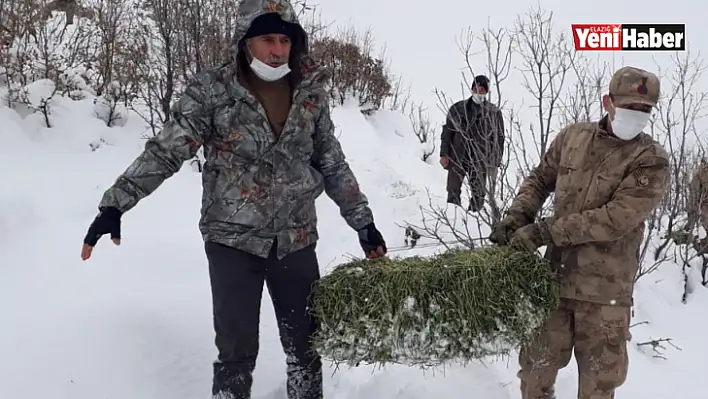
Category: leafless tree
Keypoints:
(676, 125)
(159, 28)
(112, 21)
(582, 100)
(13, 15)
(205, 37)
(546, 58)
(498, 46)
(311, 19)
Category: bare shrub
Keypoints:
(51, 50)
(675, 125)
(582, 100)
(311, 20)
(546, 59)
(348, 55)
(423, 130)
(498, 48)
(111, 16)
(37, 98)
(13, 21)
(400, 98)
(157, 34)
(50, 53)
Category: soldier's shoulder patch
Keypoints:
(641, 178)
(643, 181)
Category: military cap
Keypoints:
(631, 85)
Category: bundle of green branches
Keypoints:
(458, 306)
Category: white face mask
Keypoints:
(478, 98)
(267, 72)
(629, 123)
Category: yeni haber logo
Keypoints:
(626, 37)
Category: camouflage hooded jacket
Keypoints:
(257, 188)
(604, 188)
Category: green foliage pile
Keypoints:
(457, 306)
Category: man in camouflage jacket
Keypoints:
(264, 123)
(472, 145)
(697, 208)
(607, 177)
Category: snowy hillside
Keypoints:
(135, 321)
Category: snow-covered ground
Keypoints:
(135, 321)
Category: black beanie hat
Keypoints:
(481, 81)
(270, 23)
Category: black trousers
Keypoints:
(476, 177)
(237, 279)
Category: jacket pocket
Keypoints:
(603, 188)
(569, 174)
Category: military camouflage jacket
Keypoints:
(604, 190)
(698, 198)
(256, 188)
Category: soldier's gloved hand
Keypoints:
(372, 242)
(502, 231)
(106, 222)
(531, 237)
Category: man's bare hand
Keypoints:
(87, 250)
(378, 253)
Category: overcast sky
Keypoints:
(420, 37)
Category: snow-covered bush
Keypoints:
(52, 58)
(107, 107)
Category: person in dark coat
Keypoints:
(472, 145)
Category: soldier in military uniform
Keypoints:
(607, 177)
(697, 208)
(264, 123)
